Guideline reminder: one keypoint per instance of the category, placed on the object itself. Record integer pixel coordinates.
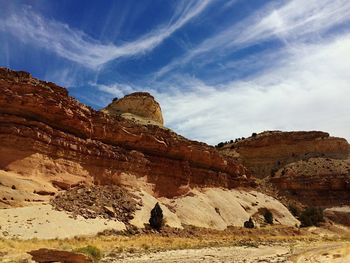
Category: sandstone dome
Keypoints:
(139, 106)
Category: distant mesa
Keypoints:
(139, 106)
(264, 153)
(309, 166)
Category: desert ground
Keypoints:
(294, 253)
(268, 244)
(289, 252)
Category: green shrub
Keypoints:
(91, 251)
(249, 223)
(156, 220)
(220, 145)
(268, 217)
(311, 216)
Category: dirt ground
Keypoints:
(320, 252)
(337, 252)
(271, 254)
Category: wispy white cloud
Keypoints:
(306, 90)
(295, 19)
(292, 21)
(75, 45)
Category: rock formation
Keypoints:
(316, 181)
(267, 152)
(309, 166)
(139, 106)
(45, 255)
(46, 134)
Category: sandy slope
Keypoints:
(142, 216)
(214, 208)
(42, 222)
(219, 208)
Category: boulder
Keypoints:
(45, 255)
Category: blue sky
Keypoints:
(220, 69)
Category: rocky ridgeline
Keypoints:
(109, 201)
(45, 132)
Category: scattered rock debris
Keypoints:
(106, 201)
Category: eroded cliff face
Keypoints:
(309, 166)
(46, 134)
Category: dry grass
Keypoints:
(158, 242)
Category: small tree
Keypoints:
(220, 144)
(156, 220)
(268, 217)
(249, 223)
(311, 216)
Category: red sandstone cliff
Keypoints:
(46, 133)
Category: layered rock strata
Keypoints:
(316, 181)
(46, 133)
(311, 167)
(267, 152)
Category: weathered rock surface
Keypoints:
(221, 208)
(46, 133)
(309, 166)
(138, 106)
